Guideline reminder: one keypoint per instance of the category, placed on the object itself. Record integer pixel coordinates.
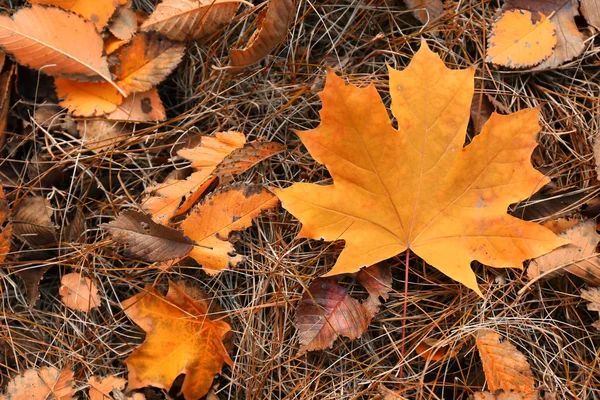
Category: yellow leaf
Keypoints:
(180, 339)
(518, 42)
(417, 187)
(222, 212)
(86, 99)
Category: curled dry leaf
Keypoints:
(578, 258)
(180, 339)
(504, 366)
(32, 221)
(517, 41)
(377, 279)
(184, 20)
(86, 99)
(593, 296)
(147, 240)
(124, 24)
(97, 11)
(419, 187)
(45, 383)
(240, 160)
(426, 10)
(327, 311)
(140, 107)
(146, 61)
(55, 41)
(224, 211)
(79, 293)
(272, 27)
(101, 135)
(562, 13)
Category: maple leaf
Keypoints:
(210, 223)
(417, 187)
(517, 41)
(146, 61)
(183, 20)
(58, 42)
(180, 339)
(42, 384)
(272, 27)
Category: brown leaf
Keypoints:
(504, 366)
(184, 20)
(140, 107)
(79, 293)
(224, 211)
(97, 11)
(175, 197)
(57, 42)
(240, 160)
(45, 383)
(147, 240)
(31, 277)
(593, 296)
(75, 228)
(377, 279)
(521, 39)
(481, 110)
(272, 27)
(146, 61)
(426, 11)
(562, 14)
(124, 23)
(590, 10)
(101, 135)
(578, 258)
(327, 311)
(6, 228)
(86, 99)
(32, 221)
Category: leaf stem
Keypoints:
(402, 348)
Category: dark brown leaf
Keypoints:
(32, 221)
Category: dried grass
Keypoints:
(549, 323)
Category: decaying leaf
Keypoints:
(32, 221)
(55, 41)
(78, 292)
(147, 240)
(504, 366)
(97, 11)
(124, 24)
(562, 14)
(86, 99)
(272, 27)
(590, 10)
(417, 187)
(578, 258)
(377, 279)
(327, 311)
(101, 388)
(101, 135)
(184, 20)
(593, 296)
(426, 10)
(517, 41)
(45, 383)
(140, 107)
(146, 61)
(224, 211)
(180, 339)
(240, 160)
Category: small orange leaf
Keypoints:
(146, 61)
(430, 349)
(224, 211)
(86, 99)
(327, 311)
(79, 293)
(272, 27)
(97, 11)
(55, 41)
(180, 339)
(504, 366)
(517, 42)
(112, 44)
(183, 20)
(140, 107)
(42, 384)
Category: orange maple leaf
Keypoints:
(417, 187)
(180, 339)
